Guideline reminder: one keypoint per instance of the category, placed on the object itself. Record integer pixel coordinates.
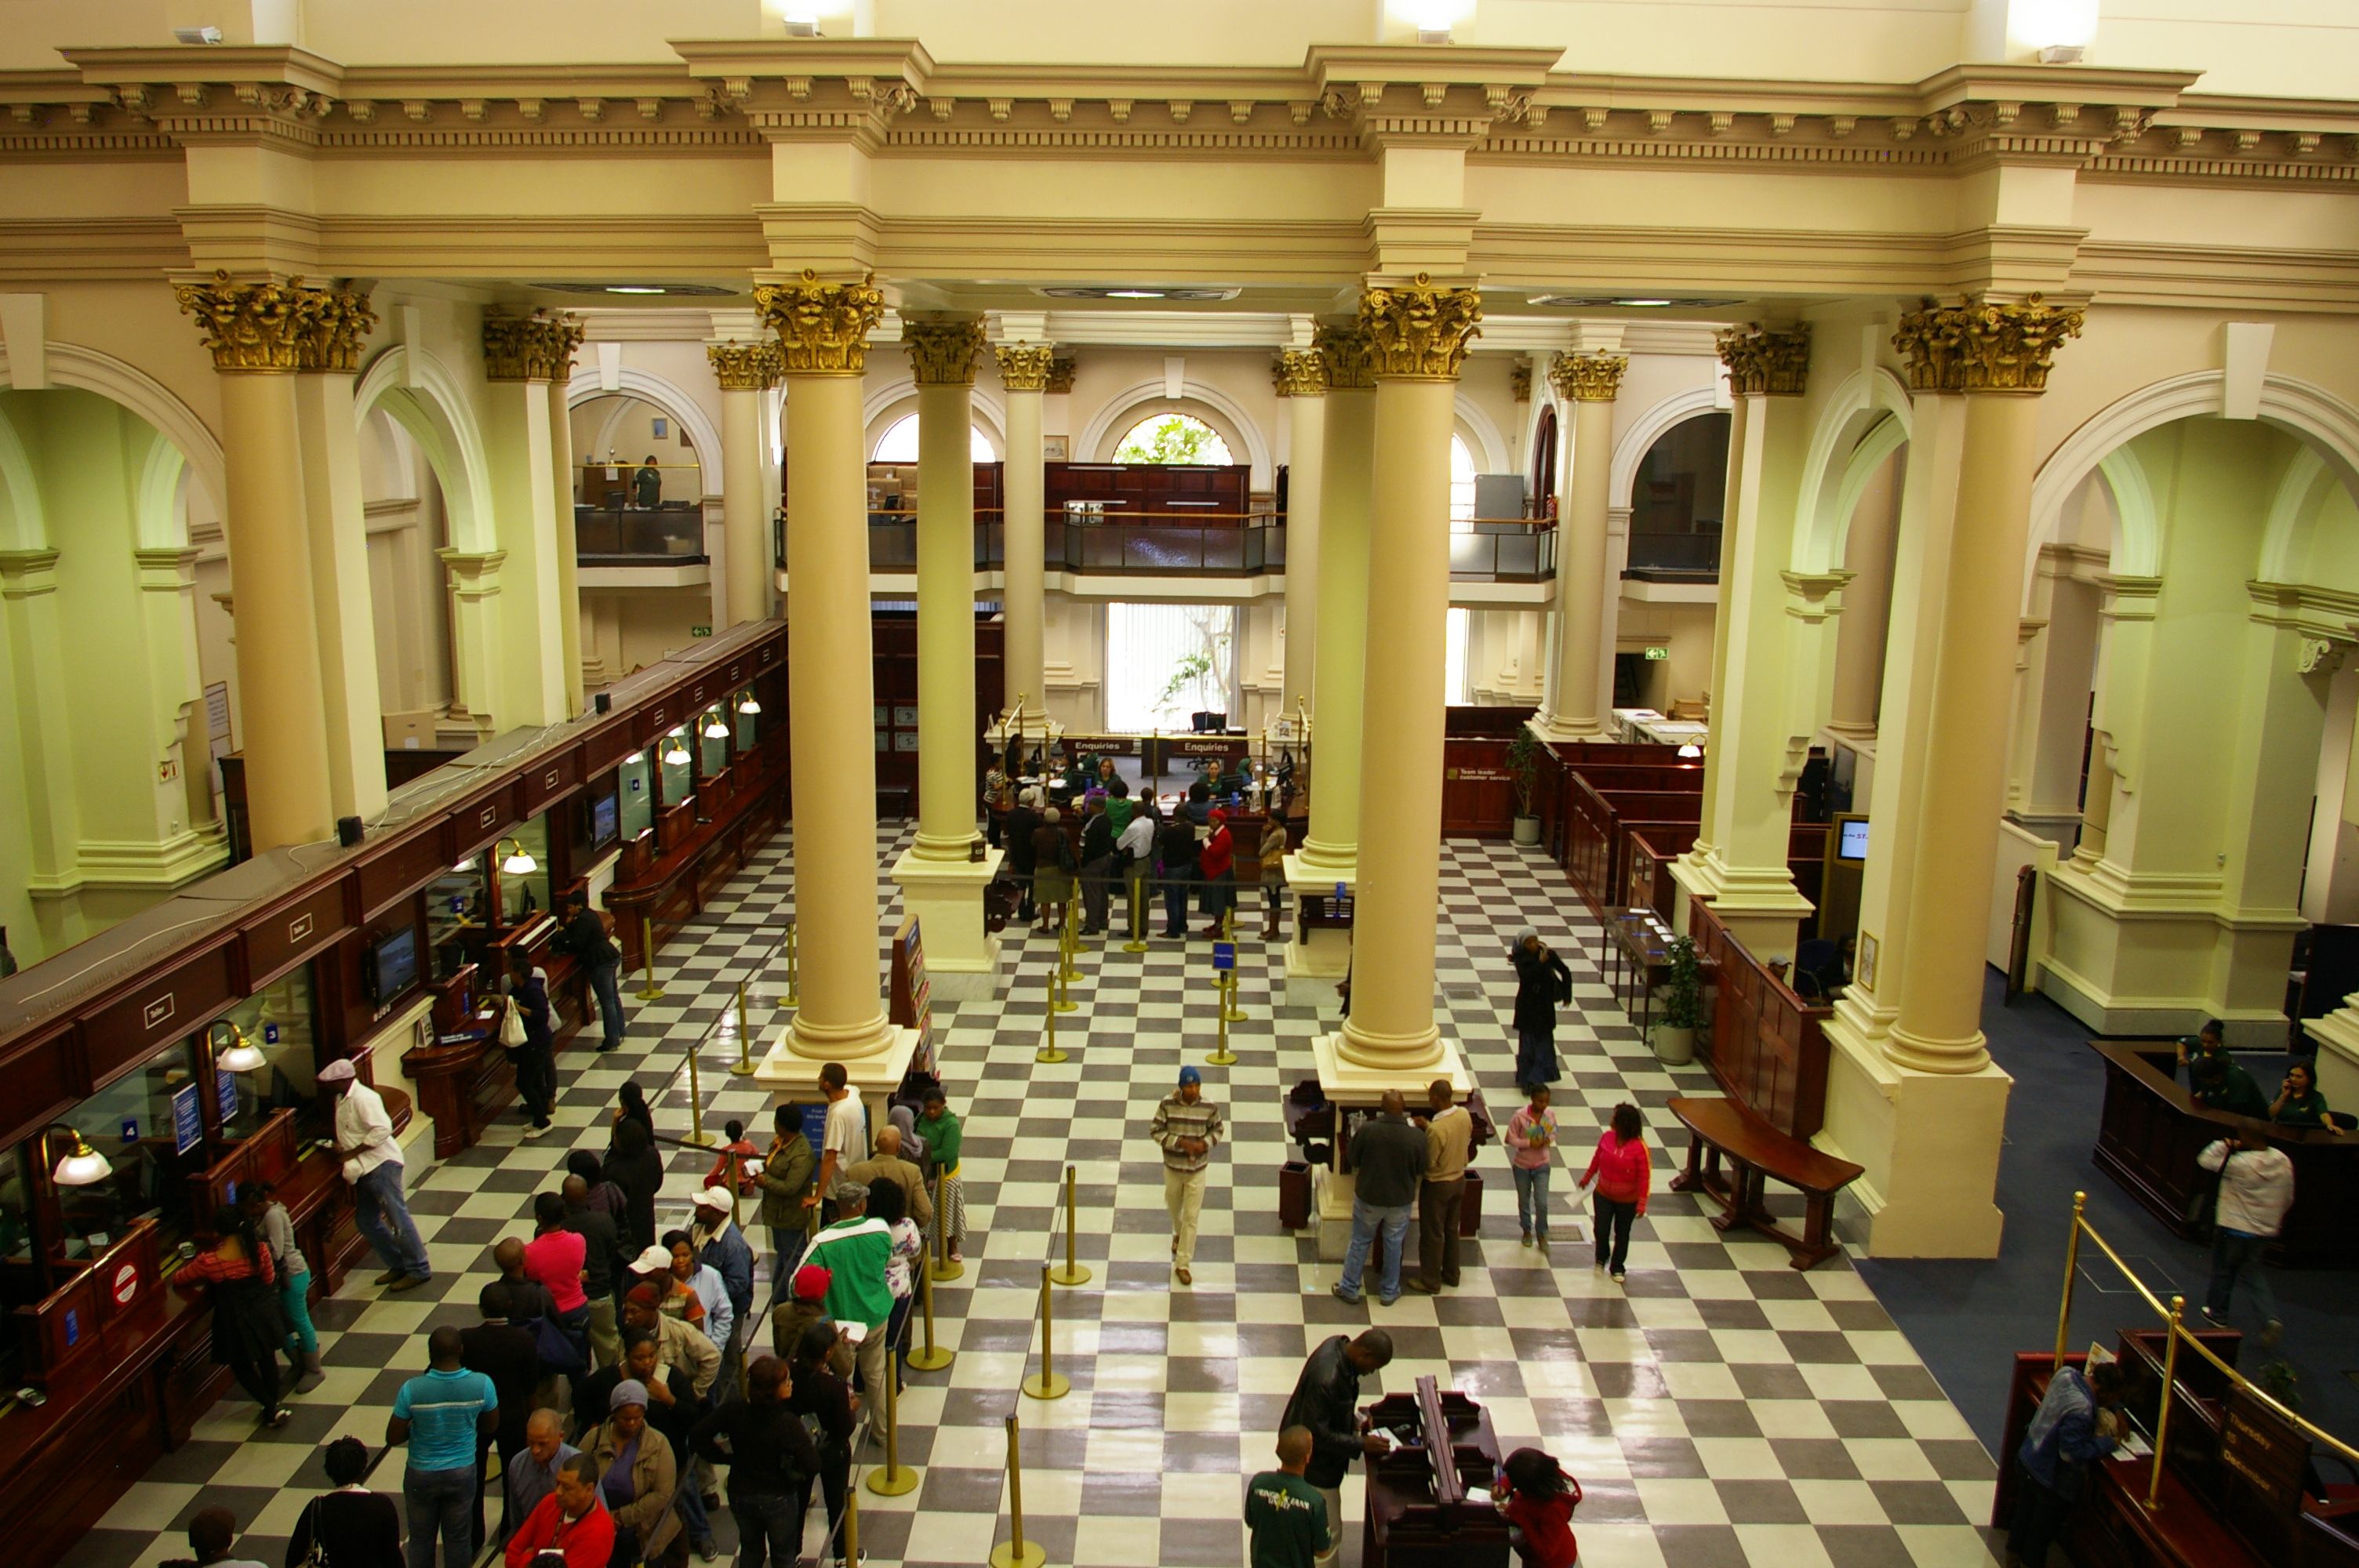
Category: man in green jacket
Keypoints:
(784, 1179)
(854, 1250)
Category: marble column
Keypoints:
(255, 332)
(1418, 334)
(745, 372)
(1316, 959)
(330, 438)
(568, 564)
(940, 884)
(1024, 372)
(823, 338)
(1753, 759)
(1300, 375)
(523, 356)
(1574, 710)
(1999, 356)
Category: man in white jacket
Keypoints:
(2256, 1190)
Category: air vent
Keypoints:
(642, 290)
(1141, 293)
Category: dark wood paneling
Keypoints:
(548, 779)
(1478, 795)
(292, 931)
(401, 869)
(40, 1078)
(126, 1031)
(482, 820)
(1765, 1046)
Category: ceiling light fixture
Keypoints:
(635, 288)
(1136, 291)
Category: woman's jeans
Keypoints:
(769, 1528)
(1531, 1199)
(1615, 1219)
(294, 1301)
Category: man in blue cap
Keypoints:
(1187, 1125)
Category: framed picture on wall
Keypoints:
(1865, 969)
(1054, 448)
(662, 427)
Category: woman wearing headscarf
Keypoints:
(1273, 873)
(913, 1147)
(637, 1475)
(1541, 982)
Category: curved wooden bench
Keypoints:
(1721, 1128)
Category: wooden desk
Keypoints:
(1418, 1514)
(2152, 1130)
(1754, 1149)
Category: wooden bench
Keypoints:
(1721, 1128)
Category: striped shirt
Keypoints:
(1175, 1119)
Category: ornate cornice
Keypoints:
(1298, 373)
(1771, 362)
(1419, 331)
(744, 367)
(1346, 356)
(1983, 345)
(1023, 367)
(942, 349)
(1588, 378)
(1061, 374)
(1520, 381)
(538, 346)
(823, 328)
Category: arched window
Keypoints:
(1679, 495)
(1172, 439)
(1462, 486)
(899, 444)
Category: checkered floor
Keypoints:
(1721, 1408)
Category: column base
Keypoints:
(1930, 1143)
(790, 1077)
(1347, 1083)
(946, 896)
(1760, 908)
(2129, 954)
(1331, 1211)
(1550, 727)
(1316, 961)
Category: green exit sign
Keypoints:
(1658, 652)
(707, 632)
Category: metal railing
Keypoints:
(1503, 549)
(1675, 553)
(2171, 1317)
(610, 536)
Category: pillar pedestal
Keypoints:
(962, 956)
(1930, 1142)
(1316, 961)
(792, 1077)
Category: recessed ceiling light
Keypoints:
(1642, 304)
(1624, 302)
(635, 288)
(699, 290)
(1133, 292)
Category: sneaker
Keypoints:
(1423, 1289)
(707, 1551)
(2213, 1318)
(2271, 1332)
(278, 1417)
(1598, 1267)
(1386, 1300)
(1617, 1276)
(538, 1129)
(1344, 1296)
(410, 1281)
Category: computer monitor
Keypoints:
(1851, 839)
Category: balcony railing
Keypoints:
(1675, 557)
(620, 537)
(1215, 544)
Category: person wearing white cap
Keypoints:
(373, 1167)
(720, 1246)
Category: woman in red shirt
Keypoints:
(1538, 1499)
(1621, 1171)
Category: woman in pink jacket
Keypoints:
(1621, 1172)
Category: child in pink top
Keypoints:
(1531, 1140)
(1621, 1171)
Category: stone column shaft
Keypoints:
(347, 624)
(524, 356)
(1301, 377)
(569, 565)
(1024, 371)
(744, 371)
(1574, 710)
(948, 739)
(1347, 488)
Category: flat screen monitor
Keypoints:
(1851, 839)
(392, 966)
(605, 819)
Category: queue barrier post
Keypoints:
(1136, 888)
(650, 989)
(852, 1527)
(930, 1357)
(1069, 941)
(696, 1135)
(892, 1481)
(744, 1066)
(1015, 1552)
(943, 1267)
(793, 973)
(1072, 1273)
(1048, 1052)
(1047, 1383)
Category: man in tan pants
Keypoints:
(1186, 1127)
(1449, 1143)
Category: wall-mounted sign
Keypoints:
(188, 1124)
(1659, 652)
(700, 630)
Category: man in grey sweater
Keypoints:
(1186, 1127)
(1390, 1158)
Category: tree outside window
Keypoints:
(1173, 438)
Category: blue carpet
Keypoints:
(1968, 1318)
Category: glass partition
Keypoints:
(523, 894)
(712, 750)
(678, 780)
(278, 1021)
(457, 901)
(638, 779)
(150, 1125)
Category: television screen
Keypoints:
(393, 964)
(1851, 843)
(605, 819)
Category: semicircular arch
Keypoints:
(1487, 442)
(23, 522)
(671, 399)
(1866, 420)
(72, 364)
(1125, 408)
(1647, 429)
(427, 402)
(889, 405)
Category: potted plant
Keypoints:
(1682, 1006)
(1523, 771)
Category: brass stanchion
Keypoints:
(2071, 1271)
(1048, 1052)
(892, 1481)
(744, 1066)
(1136, 888)
(1060, 997)
(2162, 1417)
(1069, 943)
(930, 1356)
(852, 1527)
(1015, 1552)
(942, 1266)
(791, 998)
(1047, 1383)
(1230, 1012)
(1072, 1273)
(1221, 1055)
(648, 989)
(697, 1135)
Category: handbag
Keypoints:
(512, 1033)
(317, 1555)
(559, 1349)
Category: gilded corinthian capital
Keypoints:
(744, 367)
(251, 327)
(1299, 372)
(1061, 374)
(1418, 331)
(538, 346)
(822, 327)
(1520, 381)
(1023, 367)
(1587, 378)
(1345, 358)
(1984, 346)
(340, 321)
(1771, 362)
(942, 349)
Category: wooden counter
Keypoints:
(2152, 1130)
